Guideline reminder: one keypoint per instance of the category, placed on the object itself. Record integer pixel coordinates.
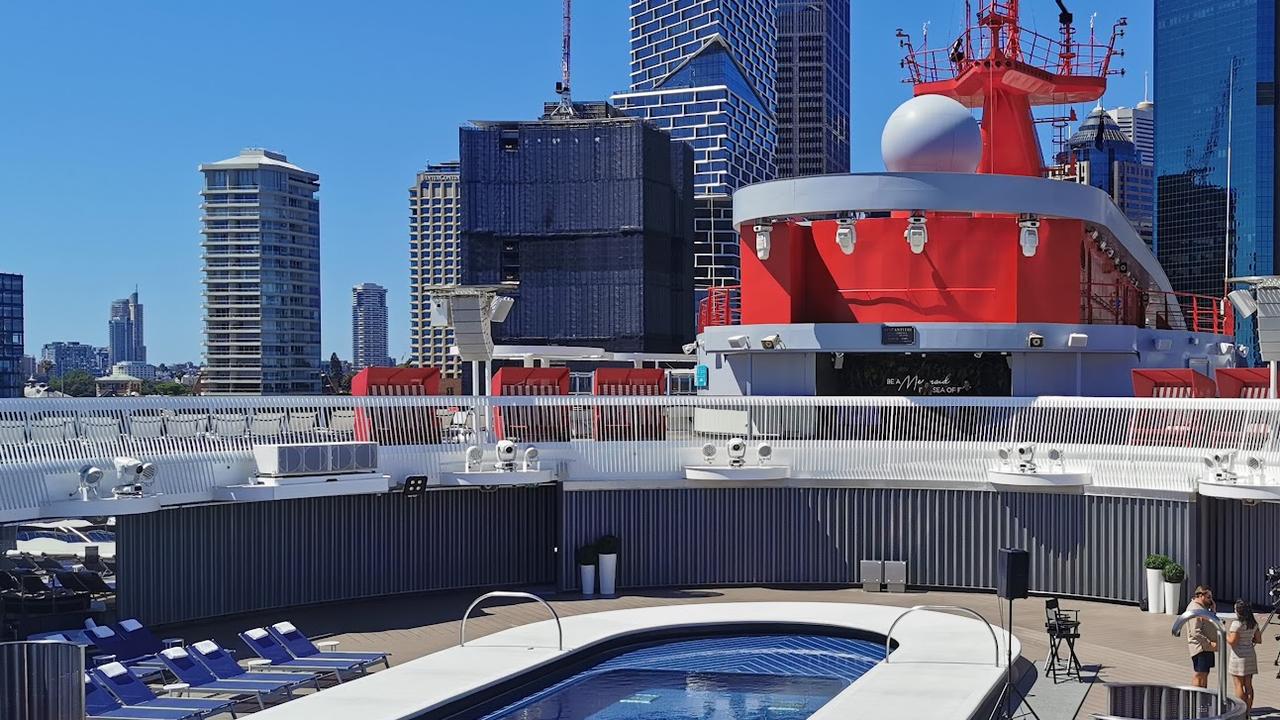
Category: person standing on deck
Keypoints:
(1242, 636)
(1202, 638)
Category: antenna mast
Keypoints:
(562, 87)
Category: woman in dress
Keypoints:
(1243, 636)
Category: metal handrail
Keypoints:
(462, 631)
(1157, 698)
(1223, 657)
(888, 638)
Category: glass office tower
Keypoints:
(813, 87)
(1215, 68)
(11, 337)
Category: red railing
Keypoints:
(1120, 303)
(721, 306)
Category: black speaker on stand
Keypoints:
(1013, 582)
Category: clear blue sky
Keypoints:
(106, 109)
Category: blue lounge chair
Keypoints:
(300, 647)
(98, 703)
(268, 648)
(219, 662)
(142, 640)
(129, 690)
(198, 678)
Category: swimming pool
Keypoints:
(739, 676)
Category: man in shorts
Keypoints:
(1202, 638)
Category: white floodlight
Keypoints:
(1077, 341)
(500, 308)
(916, 234)
(1029, 235)
(709, 452)
(1026, 457)
(531, 459)
(737, 452)
(1058, 457)
(1111, 252)
(1093, 232)
(1221, 464)
(1257, 466)
(846, 236)
(771, 342)
(1243, 302)
(837, 360)
(1005, 454)
(689, 348)
(764, 243)
(147, 475)
(90, 476)
(506, 453)
(132, 476)
(739, 342)
(764, 452)
(474, 457)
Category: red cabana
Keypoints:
(532, 424)
(1243, 382)
(630, 423)
(1173, 383)
(398, 426)
(1167, 426)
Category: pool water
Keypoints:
(747, 677)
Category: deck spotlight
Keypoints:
(1026, 457)
(1257, 467)
(474, 456)
(771, 342)
(133, 476)
(737, 452)
(1111, 252)
(916, 234)
(763, 242)
(846, 235)
(739, 342)
(531, 461)
(1029, 235)
(1221, 464)
(709, 452)
(837, 360)
(764, 452)
(1057, 457)
(90, 476)
(1243, 302)
(689, 348)
(1093, 232)
(506, 456)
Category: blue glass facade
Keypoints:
(1100, 154)
(704, 71)
(813, 87)
(11, 336)
(1197, 45)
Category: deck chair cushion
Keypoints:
(206, 647)
(130, 625)
(255, 633)
(284, 628)
(101, 631)
(174, 653)
(114, 669)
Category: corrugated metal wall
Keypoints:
(8, 537)
(211, 560)
(1081, 545)
(1239, 543)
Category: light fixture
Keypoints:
(763, 242)
(739, 342)
(1111, 252)
(689, 348)
(1093, 232)
(133, 477)
(1029, 235)
(506, 454)
(1026, 458)
(837, 360)
(737, 452)
(1243, 302)
(771, 342)
(1077, 341)
(916, 234)
(1058, 458)
(531, 459)
(1005, 454)
(1035, 340)
(1221, 464)
(90, 476)
(1123, 267)
(1102, 245)
(764, 452)
(474, 457)
(1163, 344)
(846, 235)
(1257, 467)
(709, 452)
(500, 308)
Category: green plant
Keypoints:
(609, 545)
(1174, 573)
(1157, 562)
(587, 555)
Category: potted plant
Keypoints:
(1174, 574)
(1155, 565)
(587, 557)
(608, 547)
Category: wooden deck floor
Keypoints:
(1125, 643)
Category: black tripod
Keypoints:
(1011, 698)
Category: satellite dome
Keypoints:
(931, 133)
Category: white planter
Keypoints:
(1172, 598)
(1155, 590)
(587, 574)
(608, 573)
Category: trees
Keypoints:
(76, 383)
(164, 387)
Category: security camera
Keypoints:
(474, 456)
(1035, 340)
(771, 342)
(506, 456)
(530, 459)
(764, 452)
(689, 348)
(737, 452)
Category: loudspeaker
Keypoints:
(1013, 570)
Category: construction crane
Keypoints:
(1198, 168)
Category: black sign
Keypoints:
(897, 335)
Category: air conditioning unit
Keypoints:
(316, 458)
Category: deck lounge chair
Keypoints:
(98, 428)
(98, 703)
(219, 662)
(127, 653)
(146, 426)
(302, 648)
(138, 636)
(187, 670)
(267, 647)
(132, 691)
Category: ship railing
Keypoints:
(1154, 444)
(1121, 303)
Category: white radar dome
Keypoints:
(931, 133)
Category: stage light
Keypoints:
(764, 243)
(846, 236)
(1029, 235)
(916, 234)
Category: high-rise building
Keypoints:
(1215, 73)
(70, 356)
(124, 331)
(1101, 155)
(813, 87)
(434, 254)
(591, 215)
(369, 326)
(261, 276)
(28, 366)
(1139, 125)
(12, 341)
(705, 72)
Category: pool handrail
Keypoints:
(1223, 656)
(462, 631)
(888, 638)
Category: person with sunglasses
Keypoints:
(1202, 639)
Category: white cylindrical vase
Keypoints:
(1172, 598)
(608, 573)
(1155, 590)
(587, 576)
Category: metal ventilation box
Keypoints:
(316, 458)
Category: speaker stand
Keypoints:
(1011, 698)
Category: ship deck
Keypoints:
(1119, 643)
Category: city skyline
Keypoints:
(366, 137)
